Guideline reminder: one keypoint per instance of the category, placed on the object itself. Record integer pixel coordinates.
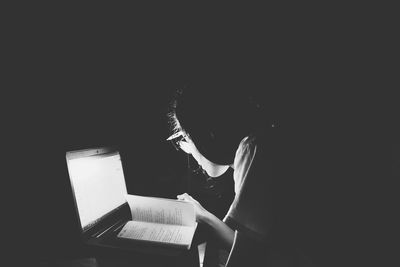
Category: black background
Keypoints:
(79, 77)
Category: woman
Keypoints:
(222, 128)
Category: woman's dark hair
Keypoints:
(217, 115)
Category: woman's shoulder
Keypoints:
(262, 146)
(247, 145)
(260, 138)
(247, 141)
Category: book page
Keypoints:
(162, 233)
(161, 210)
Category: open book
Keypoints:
(160, 220)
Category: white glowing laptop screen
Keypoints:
(98, 184)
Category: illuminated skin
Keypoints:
(223, 232)
(212, 169)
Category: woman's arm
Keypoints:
(222, 231)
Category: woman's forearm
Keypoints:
(223, 232)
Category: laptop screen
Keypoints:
(98, 183)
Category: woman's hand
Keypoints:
(225, 234)
(186, 147)
(201, 213)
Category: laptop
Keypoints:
(99, 190)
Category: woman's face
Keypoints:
(212, 169)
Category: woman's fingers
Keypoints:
(199, 210)
(183, 196)
(186, 197)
